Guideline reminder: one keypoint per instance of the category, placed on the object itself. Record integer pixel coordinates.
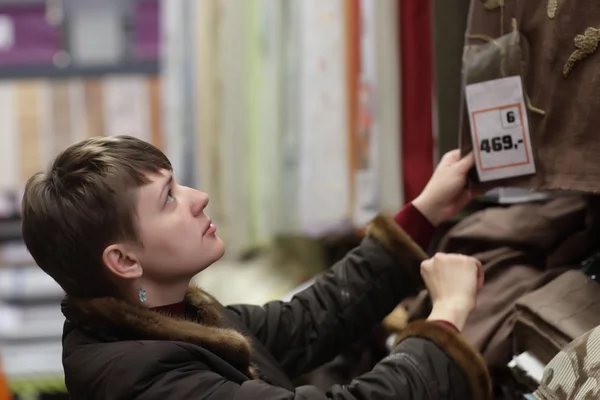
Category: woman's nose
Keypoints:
(199, 202)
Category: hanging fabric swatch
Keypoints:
(287, 212)
(233, 122)
(263, 118)
(176, 56)
(254, 92)
(417, 74)
(60, 110)
(94, 105)
(9, 137)
(366, 200)
(28, 111)
(353, 69)
(126, 109)
(387, 105)
(207, 92)
(79, 112)
(155, 111)
(49, 144)
(324, 173)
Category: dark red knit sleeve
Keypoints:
(416, 225)
(448, 324)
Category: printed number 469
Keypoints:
(498, 143)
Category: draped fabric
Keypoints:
(559, 59)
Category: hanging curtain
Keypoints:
(9, 137)
(178, 97)
(29, 102)
(352, 16)
(287, 212)
(233, 125)
(263, 30)
(363, 121)
(209, 174)
(324, 174)
(373, 104)
(417, 95)
(387, 105)
(94, 115)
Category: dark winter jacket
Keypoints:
(115, 350)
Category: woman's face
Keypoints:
(178, 238)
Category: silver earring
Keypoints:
(142, 295)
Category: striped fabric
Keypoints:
(574, 373)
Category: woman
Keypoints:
(108, 222)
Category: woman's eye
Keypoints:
(170, 197)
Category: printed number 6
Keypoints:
(497, 144)
(510, 117)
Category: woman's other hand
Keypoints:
(446, 192)
(453, 281)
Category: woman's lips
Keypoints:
(211, 230)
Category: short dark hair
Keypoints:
(83, 203)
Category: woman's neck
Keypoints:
(156, 295)
(175, 309)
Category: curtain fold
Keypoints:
(417, 95)
(233, 125)
(324, 174)
(387, 105)
(9, 137)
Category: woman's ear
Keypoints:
(122, 261)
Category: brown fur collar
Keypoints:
(462, 353)
(397, 242)
(119, 320)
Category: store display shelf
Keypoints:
(22, 72)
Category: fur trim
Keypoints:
(396, 321)
(406, 252)
(468, 359)
(202, 327)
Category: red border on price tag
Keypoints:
(522, 131)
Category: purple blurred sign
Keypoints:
(26, 38)
(147, 30)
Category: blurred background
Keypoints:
(302, 119)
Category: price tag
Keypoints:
(500, 129)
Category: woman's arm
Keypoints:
(361, 289)
(431, 362)
(343, 304)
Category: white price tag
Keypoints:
(500, 129)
